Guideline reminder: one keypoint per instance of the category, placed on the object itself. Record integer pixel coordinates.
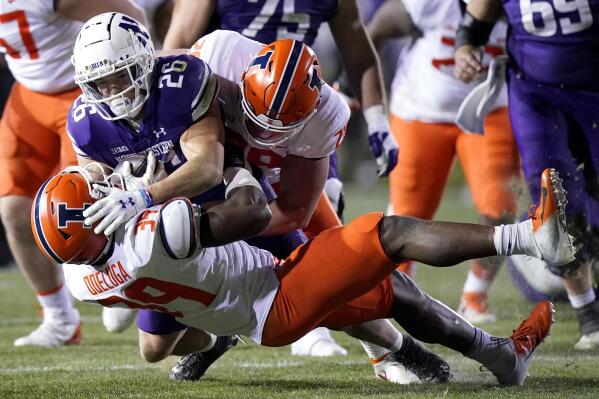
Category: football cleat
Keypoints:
(53, 332)
(319, 343)
(193, 366)
(551, 239)
(424, 364)
(525, 339)
(588, 324)
(473, 307)
(388, 369)
(116, 320)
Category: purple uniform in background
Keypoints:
(268, 20)
(182, 91)
(553, 87)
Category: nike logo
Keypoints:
(543, 200)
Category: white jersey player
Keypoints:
(229, 53)
(37, 37)
(424, 87)
(425, 100)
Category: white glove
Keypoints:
(116, 208)
(135, 183)
(381, 141)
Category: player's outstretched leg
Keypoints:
(431, 321)
(543, 236)
(193, 366)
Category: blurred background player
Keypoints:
(37, 37)
(554, 111)
(269, 20)
(425, 100)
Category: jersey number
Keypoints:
(302, 20)
(538, 17)
(152, 293)
(176, 66)
(21, 19)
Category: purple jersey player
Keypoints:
(553, 88)
(134, 103)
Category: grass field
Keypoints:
(108, 366)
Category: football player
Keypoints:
(424, 103)
(553, 88)
(269, 20)
(137, 103)
(290, 142)
(37, 37)
(184, 261)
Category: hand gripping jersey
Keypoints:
(228, 54)
(38, 44)
(269, 20)
(182, 91)
(555, 42)
(424, 87)
(225, 290)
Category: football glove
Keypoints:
(381, 141)
(116, 208)
(135, 183)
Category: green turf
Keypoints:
(108, 365)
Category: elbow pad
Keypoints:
(179, 231)
(473, 31)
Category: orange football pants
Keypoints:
(426, 154)
(338, 278)
(34, 139)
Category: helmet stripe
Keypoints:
(288, 72)
(38, 226)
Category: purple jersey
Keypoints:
(555, 42)
(269, 20)
(182, 91)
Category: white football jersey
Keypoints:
(225, 290)
(38, 44)
(228, 54)
(424, 87)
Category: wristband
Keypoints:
(147, 197)
(376, 119)
(473, 31)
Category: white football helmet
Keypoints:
(113, 47)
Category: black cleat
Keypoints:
(193, 366)
(426, 365)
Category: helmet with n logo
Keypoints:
(280, 92)
(57, 219)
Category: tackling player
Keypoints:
(184, 261)
(37, 37)
(554, 91)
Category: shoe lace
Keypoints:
(525, 338)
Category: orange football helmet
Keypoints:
(57, 219)
(280, 91)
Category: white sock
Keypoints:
(476, 284)
(210, 344)
(578, 301)
(376, 352)
(515, 239)
(58, 304)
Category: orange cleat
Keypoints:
(552, 241)
(474, 308)
(526, 338)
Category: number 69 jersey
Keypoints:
(38, 43)
(156, 264)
